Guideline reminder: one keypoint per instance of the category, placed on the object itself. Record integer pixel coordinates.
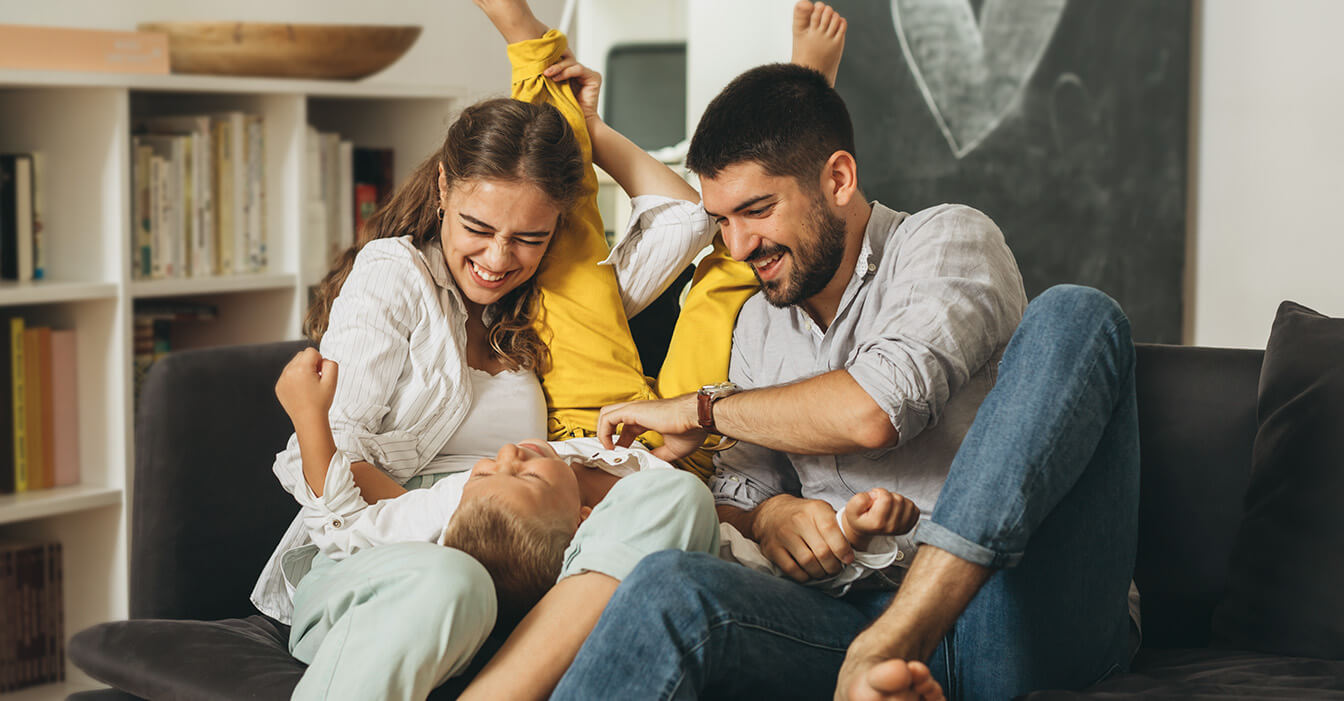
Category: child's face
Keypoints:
(531, 479)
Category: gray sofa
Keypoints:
(207, 512)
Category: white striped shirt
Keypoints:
(398, 332)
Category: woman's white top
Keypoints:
(508, 407)
(398, 332)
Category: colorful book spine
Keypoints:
(64, 408)
(226, 197)
(40, 242)
(9, 471)
(47, 419)
(19, 397)
(32, 389)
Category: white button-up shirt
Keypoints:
(398, 332)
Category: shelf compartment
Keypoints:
(26, 506)
(148, 289)
(52, 291)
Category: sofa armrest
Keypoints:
(206, 510)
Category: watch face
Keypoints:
(721, 389)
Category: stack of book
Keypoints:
(32, 615)
(23, 246)
(153, 333)
(346, 185)
(39, 408)
(199, 205)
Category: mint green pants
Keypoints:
(395, 621)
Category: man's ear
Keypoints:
(840, 178)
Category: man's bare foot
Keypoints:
(818, 37)
(896, 679)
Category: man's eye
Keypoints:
(760, 211)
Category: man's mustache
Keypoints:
(766, 252)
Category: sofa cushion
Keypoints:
(1284, 582)
(1214, 674)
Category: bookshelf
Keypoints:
(82, 122)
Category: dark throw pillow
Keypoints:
(1285, 590)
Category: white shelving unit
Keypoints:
(82, 122)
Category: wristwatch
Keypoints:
(705, 399)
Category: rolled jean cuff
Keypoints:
(930, 533)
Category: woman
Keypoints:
(433, 321)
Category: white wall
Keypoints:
(724, 39)
(457, 47)
(602, 24)
(1270, 166)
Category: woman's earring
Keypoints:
(440, 213)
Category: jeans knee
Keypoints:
(671, 578)
(1081, 307)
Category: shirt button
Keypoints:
(899, 556)
(336, 523)
(872, 267)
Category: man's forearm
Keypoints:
(828, 414)
(744, 520)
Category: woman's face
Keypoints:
(494, 235)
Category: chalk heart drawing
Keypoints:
(971, 70)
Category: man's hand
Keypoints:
(677, 419)
(801, 537)
(306, 387)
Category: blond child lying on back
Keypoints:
(538, 512)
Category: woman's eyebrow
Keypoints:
(473, 220)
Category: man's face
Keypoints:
(788, 234)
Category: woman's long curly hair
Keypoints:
(498, 139)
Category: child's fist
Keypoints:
(880, 512)
(307, 386)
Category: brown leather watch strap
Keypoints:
(705, 408)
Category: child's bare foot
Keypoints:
(877, 512)
(898, 679)
(818, 37)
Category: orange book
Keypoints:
(33, 47)
(47, 418)
(64, 409)
(32, 387)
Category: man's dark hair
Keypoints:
(783, 116)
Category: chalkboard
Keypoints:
(1066, 121)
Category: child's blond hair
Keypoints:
(523, 555)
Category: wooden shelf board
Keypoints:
(12, 78)
(145, 289)
(42, 503)
(49, 291)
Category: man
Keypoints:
(862, 362)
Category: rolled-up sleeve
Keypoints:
(948, 298)
(368, 336)
(663, 238)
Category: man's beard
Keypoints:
(812, 265)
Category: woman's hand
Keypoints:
(306, 387)
(586, 82)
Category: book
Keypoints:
(64, 408)
(373, 166)
(172, 224)
(142, 211)
(9, 629)
(33, 407)
(8, 468)
(23, 219)
(39, 215)
(366, 203)
(222, 147)
(19, 397)
(30, 47)
(234, 198)
(201, 192)
(32, 635)
(16, 217)
(256, 184)
(46, 418)
(346, 195)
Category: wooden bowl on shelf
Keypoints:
(324, 51)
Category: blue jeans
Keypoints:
(1044, 489)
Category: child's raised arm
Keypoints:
(305, 389)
